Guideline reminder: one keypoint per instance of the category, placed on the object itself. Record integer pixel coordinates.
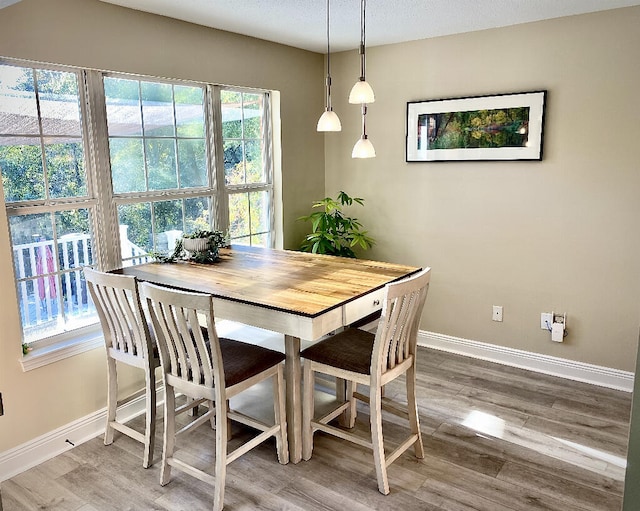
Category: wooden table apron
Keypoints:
(300, 295)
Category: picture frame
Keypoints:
(505, 127)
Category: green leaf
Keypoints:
(332, 231)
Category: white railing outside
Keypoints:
(52, 291)
(131, 253)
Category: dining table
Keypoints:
(298, 294)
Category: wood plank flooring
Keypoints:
(496, 439)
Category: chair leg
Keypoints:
(112, 399)
(229, 431)
(150, 418)
(221, 457)
(351, 412)
(282, 446)
(212, 419)
(169, 442)
(344, 391)
(375, 403)
(193, 412)
(412, 408)
(308, 408)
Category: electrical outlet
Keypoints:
(497, 313)
(546, 320)
(560, 318)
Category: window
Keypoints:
(246, 169)
(42, 158)
(160, 170)
(150, 165)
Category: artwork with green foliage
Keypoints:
(332, 231)
(481, 128)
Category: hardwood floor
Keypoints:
(496, 438)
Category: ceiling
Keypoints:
(302, 23)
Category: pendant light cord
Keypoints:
(363, 32)
(328, 81)
(328, 47)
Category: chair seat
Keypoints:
(242, 360)
(350, 350)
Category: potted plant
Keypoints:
(333, 232)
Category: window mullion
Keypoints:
(216, 161)
(107, 232)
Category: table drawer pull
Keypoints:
(363, 306)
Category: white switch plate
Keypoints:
(497, 313)
(546, 320)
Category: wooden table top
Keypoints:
(296, 282)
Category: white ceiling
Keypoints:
(302, 23)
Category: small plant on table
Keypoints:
(200, 247)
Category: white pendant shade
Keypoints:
(363, 149)
(361, 92)
(329, 121)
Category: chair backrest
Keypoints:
(125, 329)
(397, 333)
(186, 359)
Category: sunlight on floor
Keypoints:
(577, 454)
(485, 423)
(618, 461)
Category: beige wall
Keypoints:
(90, 33)
(561, 234)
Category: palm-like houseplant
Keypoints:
(333, 232)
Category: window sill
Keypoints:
(43, 355)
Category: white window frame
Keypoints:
(113, 258)
(100, 197)
(88, 336)
(267, 161)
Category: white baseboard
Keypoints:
(570, 369)
(36, 451)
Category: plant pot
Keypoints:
(195, 244)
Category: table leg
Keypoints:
(293, 378)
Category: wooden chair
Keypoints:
(361, 357)
(128, 340)
(200, 365)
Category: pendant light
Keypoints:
(363, 148)
(362, 91)
(329, 120)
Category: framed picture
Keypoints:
(481, 128)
